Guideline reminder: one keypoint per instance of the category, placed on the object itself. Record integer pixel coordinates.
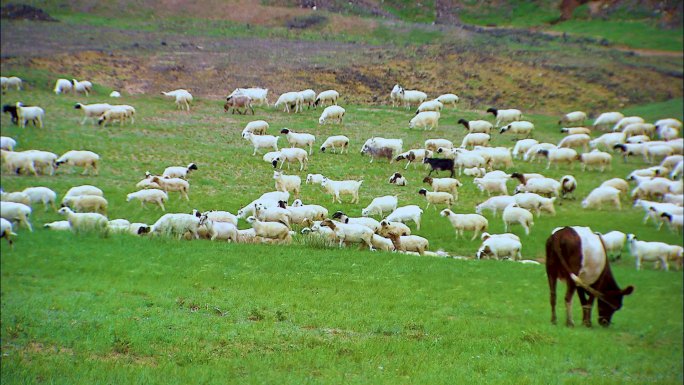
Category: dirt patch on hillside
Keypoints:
(24, 12)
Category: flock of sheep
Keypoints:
(658, 190)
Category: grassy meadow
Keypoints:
(123, 309)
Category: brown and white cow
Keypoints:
(577, 256)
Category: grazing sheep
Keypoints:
(219, 230)
(83, 86)
(600, 195)
(183, 98)
(505, 116)
(426, 120)
(85, 189)
(500, 246)
(475, 139)
(449, 185)
(575, 117)
(289, 183)
(381, 243)
(239, 103)
(409, 243)
(541, 186)
(115, 94)
(575, 130)
(518, 128)
(430, 105)
(598, 159)
(176, 224)
(574, 141)
(531, 153)
(437, 198)
(416, 155)
(261, 141)
(535, 202)
(626, 121)
(258, 95)
(607, 120)
(92, 111)
(155, 196)
(33, 113)
(334, 142)
(568, 186)
(290, 155)
(85, 221)
(494, 204)
(16, 212)
(406, 213)
(173, 184)
(7, 143)
(58, 226)
(398, 228)
(335, 188)
(614, 242)
(363, 221)
(351, 233)
(86, 203)
(560, 155)
(397, 179)
(256, 127)
(476, 126)
(462, 222)
(412, 97)
(85, 159)
(17, 197)
(434, 144)
(332, 114)
(651, 251)
(291, 101)
(378, 152)
(179, 171)
(299, 139)
(492, 185)
(9, 82)
(41, 194)
(63, 86)
(448, 99)
(379, 205)
(328, 96)
(513, 214)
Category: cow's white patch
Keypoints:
(593, 255)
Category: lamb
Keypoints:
(568, 186)
(491, 185)
(289, 183)
(494, 204)
(83, 86)
(412, 97)
(86, 204)
(219, 230)
(476, 139)
(299, 139)
(262, 141)
(332, 114)
(607, 119)
(86, 221)
(505, 116)
(16, 212)
(560, 155)
(477, 172)
(17, 197)
(17, 161)
(176, 224)
(334, 142)
(116, 113)
(541, 186)
(183, 98)
(85, 159)
(406, 213)
(239, 103)
(155, 196)
(83, 190)
(63, 86)
(328, 96)
(256, 127)
(173, 184)
(179, 171)
(434, 144)
(92, 111)
(24, 114)
(430, 105)
(522, 145)
(500, 247)
(416, 155)
(437, 164)
(574, 141)
(518, 128)
(398, 228)
(650, 251)
(397, 179)
(378, 152)
(381, 204)
(575, 117)
(351, 233)
(258, 95)
(600, 195)
(426, 120)
(535, 202)
(437, 198)
(613, 241)
(9, 82)
(291, 101)
(575, 130)
(58, 226)
(290, 155)
(7, 143)
(449, 185)
(470, 222)
(514, 214)
(626, 121)
(409, 243)
(476, 126)
(598, 159)
(335, 188)
(314, 178)
(448, 99)
(41, 194)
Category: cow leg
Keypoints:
(586, 306)
(568, 303)
(552, 297)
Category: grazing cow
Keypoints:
(577, 256)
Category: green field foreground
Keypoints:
(83, 309)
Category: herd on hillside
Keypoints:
(658, 189)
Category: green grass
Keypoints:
(630, 33)
(83, 309)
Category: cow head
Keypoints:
(611, 302)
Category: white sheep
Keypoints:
(412, 156)
(262, 141)
(638, 139)
(63, 86)
(522, 145)
(560, 155)
(289, 183)
(449, 185)
(328, 96)
(435, 144)
(33, 113)
(575, 130)
(179, 171)
(541, 186)
(85, 221)
(219, 230)
(398, 228)
(475, 139)
(448, 99)
(85, 189)
(116, 113)
(379, 205)
(513, 214)
(406, 213)
(16, 212)
(18, 197)
(409, 243)
(272, 157)
(183, 98)
(492, 185)
(85, 159)
(257, 127)
(58, 226)
(83, 86)
(477, 172)
(677, 171)
(462, 222)
(334, 142)
(518, 128)
(505, 116)
(290, 155)
(176, 224)
(598, 159)
(430, 105)
(7, 143)
(600, 195)
(86, 203)
(426, 120)
(173, 184)
(669, 122)
(574, 141)
(626, 121)
(531, 153)
(249, 209)
(475, 126)
(608, 140)
(536, 203)
(290, 100)
(258, 95)
(335, 188)
(467, 160)
(332, 114)
(437, 198)
(494, 204)
(41, 194)
(575, 117)
(607, 119)
(395, 95)
(500, 247)
(614, 242)
(115, 94)
(650, 251)
(118, 226)
(639, 129)
(412, 97)
(308, 97)
(350, 233)
(568, 186)
(155, 196)
(676, 221)
(495, 156)
(6, 231)
(314, 178)
(381, 243)
(44, 161)
(371, 223)
(299, 139)
(271, 230)
(12, 81)
(92, 111)
(677, 199)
